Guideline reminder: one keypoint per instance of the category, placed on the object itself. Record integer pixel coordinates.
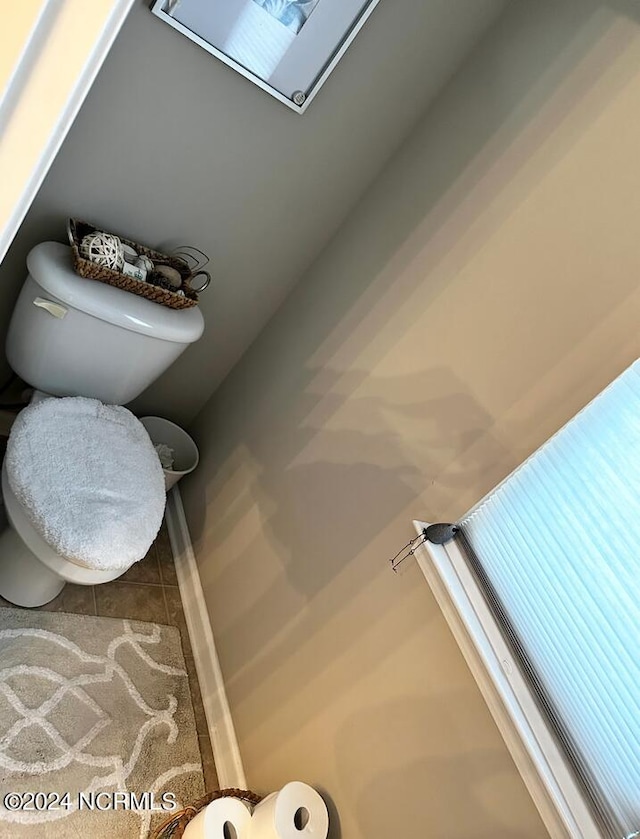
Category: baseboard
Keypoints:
(224, 742)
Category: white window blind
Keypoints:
(556, 548)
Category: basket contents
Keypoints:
(178, 824)
(103, 249)
(144, 262)
(295, 810)
(220, 819)
(164, 278)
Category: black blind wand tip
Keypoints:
(439, 534)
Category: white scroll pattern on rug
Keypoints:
(115, 768)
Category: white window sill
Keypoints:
(542, 765)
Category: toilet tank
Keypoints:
(70, 336)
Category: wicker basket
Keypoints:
(77, 230)
(176, 825)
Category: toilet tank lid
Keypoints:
(51, 267)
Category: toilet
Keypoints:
(74, 337)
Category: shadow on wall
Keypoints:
(337, 489)
(303, 369)
(358, 408)
(454, 761)
(390, 385)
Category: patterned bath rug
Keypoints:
(96, 727)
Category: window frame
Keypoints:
(541, 762)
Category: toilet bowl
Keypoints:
(73, 337)
(84, 495)
(31, 572)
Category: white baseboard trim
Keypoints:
(224, 742)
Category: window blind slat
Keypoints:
(557, 547)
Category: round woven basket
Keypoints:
(77, 230)
(175, 826)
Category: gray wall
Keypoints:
(173, 145)
(484, 289)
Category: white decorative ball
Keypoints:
(103, 249)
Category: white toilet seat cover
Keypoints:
(89, 479)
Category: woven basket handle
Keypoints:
(71, 226)
(203, 285)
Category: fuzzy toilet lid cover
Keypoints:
(89, 479)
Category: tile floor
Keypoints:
(149, 592)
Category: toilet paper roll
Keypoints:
(296, 811)
(224, 818)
